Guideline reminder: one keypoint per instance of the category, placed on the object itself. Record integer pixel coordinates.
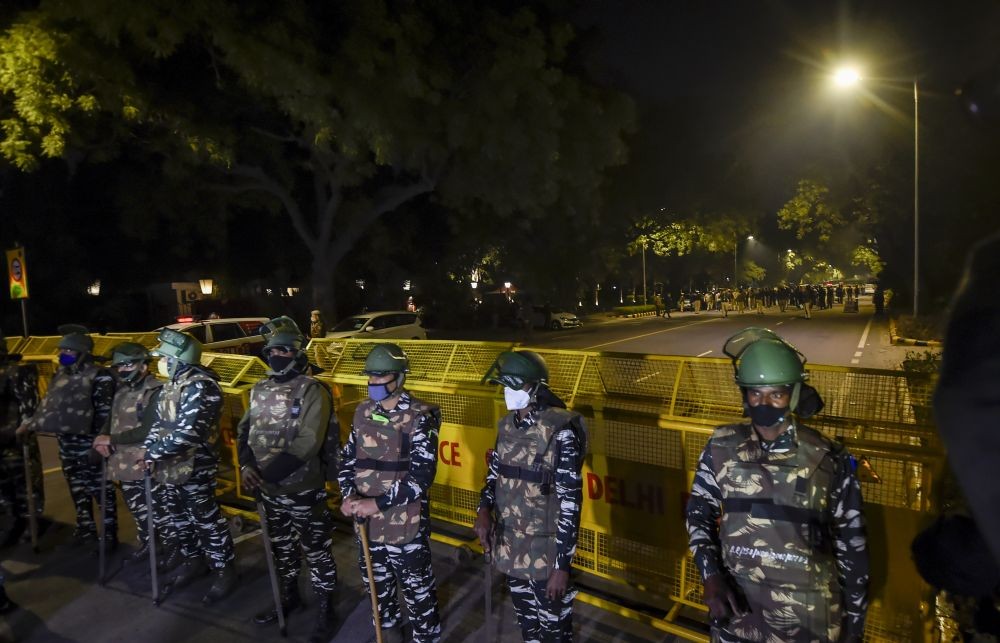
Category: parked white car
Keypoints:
(230, 335)
(388, 324)
(556, 319)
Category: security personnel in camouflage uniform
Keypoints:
(533, 495)
(18, 401)
(387, 467)
(181, 446)
(132, 412)
(281, 442)
(74, 408)
(775, 517)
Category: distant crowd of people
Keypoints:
(803, 297)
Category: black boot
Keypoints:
(17, 528)
(6, 605)
(170, 561)
(188, 572)
(225, 582)
(325, 618)
(110, 545)
(290, 601)
(139, 555)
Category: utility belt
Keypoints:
(542, 477)
(372, 464)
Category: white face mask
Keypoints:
(516, 399)
(162, 368)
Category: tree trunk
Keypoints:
(323, 293)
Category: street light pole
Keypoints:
(644, 271)
(736, 245)
(916, 200)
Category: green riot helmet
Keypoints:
(514, 368)
(282, 332)
(762, 358)
(179, 346)
(770, 363)
(386, 358)
(75, 338)
(128, 352)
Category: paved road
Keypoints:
(829, 337)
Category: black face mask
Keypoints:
(279, 363)
(765, 415)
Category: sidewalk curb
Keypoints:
(895, 339)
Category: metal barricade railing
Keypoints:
(649, 418)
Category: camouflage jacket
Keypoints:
(563, 458)
(131, 411)
(18, 397)
(290, 418)
(186, 428)
(393, 461)
(782, 515)
(78, 400)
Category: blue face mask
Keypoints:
(378, 392)
(65, 359)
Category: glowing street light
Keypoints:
(846, 76)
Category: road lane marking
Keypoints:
(779, 323)
(864, 335)
(646, 377)
(861, 344)
(705, 353)
(665, 330)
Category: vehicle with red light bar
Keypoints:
(239, 335)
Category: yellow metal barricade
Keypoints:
(649, 418)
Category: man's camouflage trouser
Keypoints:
(302, 520)
(410, 565)
(200, 525)
(84, 480)
(13, 490)
(134, 492)
(541, 620)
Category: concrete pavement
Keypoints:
(60, 601)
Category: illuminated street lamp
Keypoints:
(847, 77)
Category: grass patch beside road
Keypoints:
(924, 327)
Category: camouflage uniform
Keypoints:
(282, 436)
(535, 488)
(181, 444)
(784, 521)
(132, 412)
(75, 407)
(18, 401)
(392, 456)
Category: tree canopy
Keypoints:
(329, 114)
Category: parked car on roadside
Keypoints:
(387, 324)
(553, 318)
(227, 335)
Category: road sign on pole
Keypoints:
(17, 274)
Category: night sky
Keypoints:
(736, 94)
